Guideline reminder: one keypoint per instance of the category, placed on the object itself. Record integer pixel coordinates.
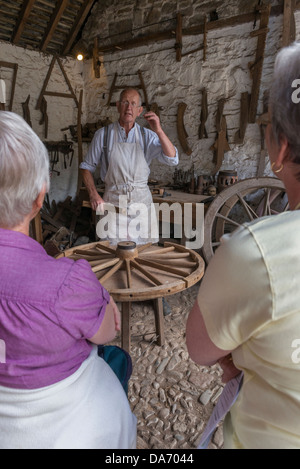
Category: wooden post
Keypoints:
(178, 45)
(126, 332)
(205, 39)
(96, 61)
(37, 231)
(289, 27)
(159, 321)
(257, 67)
(79, 140)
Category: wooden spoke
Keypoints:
(128, 273)
(160, 251)
(147, 274)
(231, 222)
(175, 262)
(143, 247)
(266, 203)
(111, 272)
(103, 247)
(216, 245)
(249, 211)
(105, 265)
(169, 255)
(83, 252)
(158, 266)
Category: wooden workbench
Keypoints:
(181, 198)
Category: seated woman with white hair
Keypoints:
(55, 392)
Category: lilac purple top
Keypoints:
(48, 309)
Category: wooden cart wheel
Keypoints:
(240, 203)
(137, 273)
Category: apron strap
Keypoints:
(105, 146)
(116, 132)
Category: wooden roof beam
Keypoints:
(83, 12)
(53, 22)
(22, 20)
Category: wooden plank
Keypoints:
(79, 139)
(192, 31)
(53, 22)
(37, 230)
(256, 68)
(159, 321)
(61, 95)
(39, 103)
(244, 116)
(67, 79)
(84, 11)
(22, 20)
(96, 61)
(125, 326)
(289, 26)
(178, 45)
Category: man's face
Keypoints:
(129, 108)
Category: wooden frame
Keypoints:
(44, 92)
(14, 67)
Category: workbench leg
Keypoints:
(159, 321)
(37, 230)
(126, 332)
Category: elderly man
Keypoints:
(125, 151)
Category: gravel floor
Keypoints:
(170, 395)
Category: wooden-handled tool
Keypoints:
(182, 133)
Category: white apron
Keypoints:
(88, 410)
(127, 176)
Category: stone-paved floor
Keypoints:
(170, 395)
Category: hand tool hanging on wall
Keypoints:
(182, 133)
(221, 146)
(244, 116)
(57, 149)
(44, 119)
(204, 116)
(256, 67)
(26, 111)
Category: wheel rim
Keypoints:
(243, 202)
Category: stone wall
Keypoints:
(62, 112)
(225, 73)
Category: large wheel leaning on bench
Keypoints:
(240, 203)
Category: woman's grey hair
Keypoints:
(284, 99)
(24, 169)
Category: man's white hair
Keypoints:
(24, 169)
